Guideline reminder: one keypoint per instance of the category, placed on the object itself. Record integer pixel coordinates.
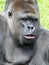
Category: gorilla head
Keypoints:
(22, 32)
(23, 21)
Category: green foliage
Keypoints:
(1, 5)
(44, 11)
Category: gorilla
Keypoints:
(23, 40)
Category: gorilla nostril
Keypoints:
(28, 27)
(31, 27)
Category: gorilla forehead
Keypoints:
(25, 6)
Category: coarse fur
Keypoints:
(23, 40)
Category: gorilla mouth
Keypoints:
(30, 36)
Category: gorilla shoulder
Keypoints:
(2, 37)
(45, 33)
(2, 27)
(44, 37)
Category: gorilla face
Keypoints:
(29, 30)
(24, 25)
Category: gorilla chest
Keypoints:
(21, 55)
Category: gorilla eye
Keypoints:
(36, 19)
(10, 13)
(24, 19)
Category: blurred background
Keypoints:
(44, 11)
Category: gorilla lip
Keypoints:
(29, 36)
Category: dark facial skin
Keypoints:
(29, 30)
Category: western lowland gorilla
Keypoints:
(23, 41)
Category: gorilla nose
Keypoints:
(30, 27)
